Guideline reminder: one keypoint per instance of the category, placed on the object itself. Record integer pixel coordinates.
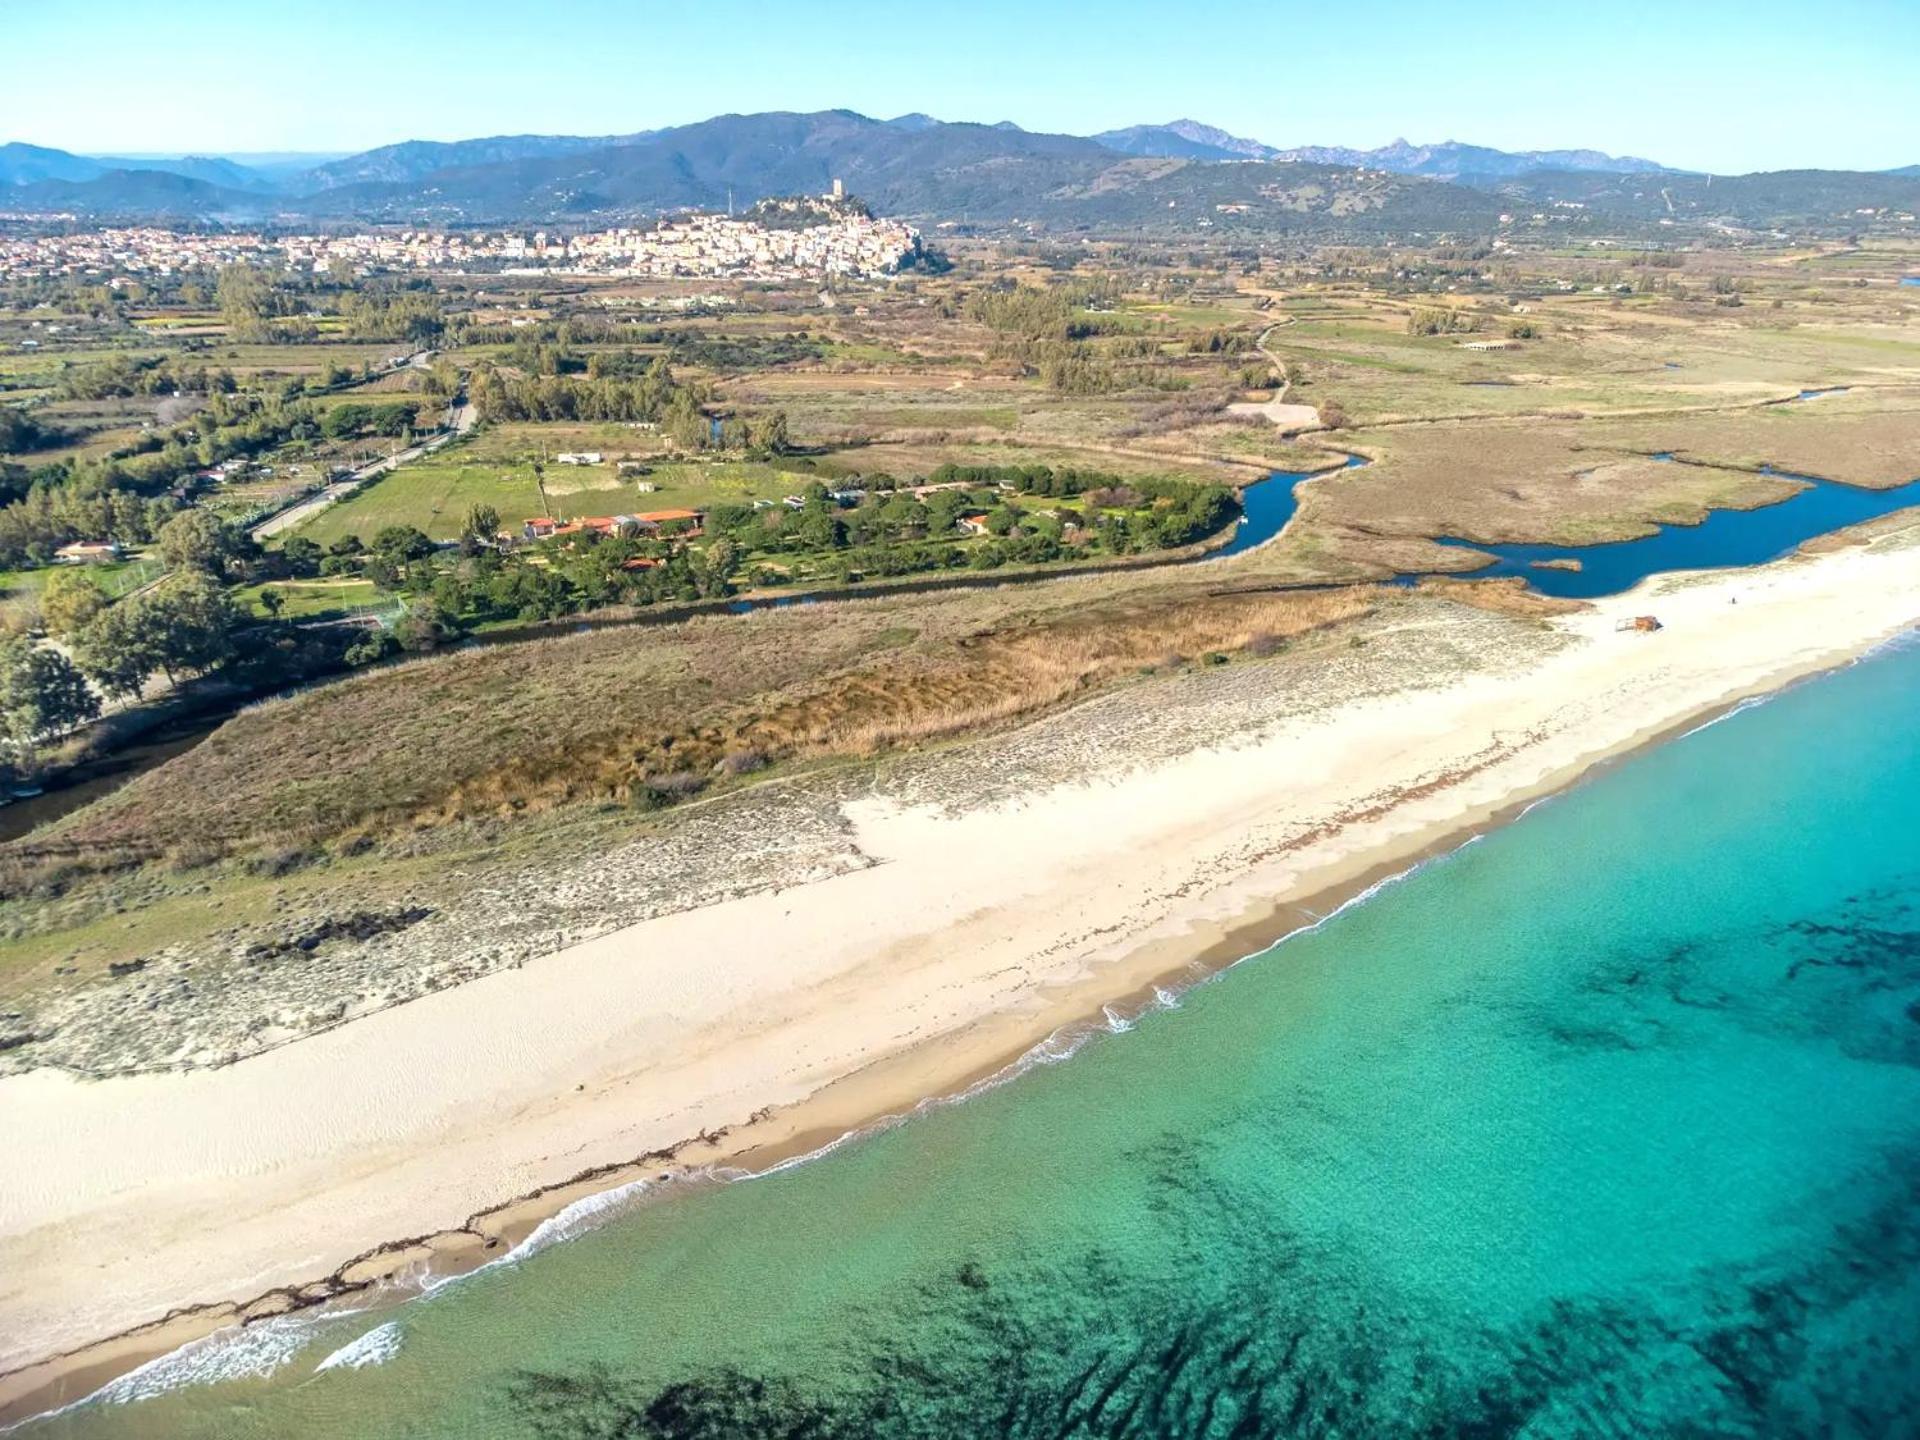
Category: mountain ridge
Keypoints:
(1189, 139)
(1181, 175)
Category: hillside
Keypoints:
(1822, 198)
(982, 174)
(416, 159)
(156, 194)
(1187, 139)
(1177, 177)
(1451, 160)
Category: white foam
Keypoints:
(575, 1218)
(239, 1352)
(259, 1350)
(1752, 702)
(376, 1347)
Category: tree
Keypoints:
(686, 426)
(192, 621)
(272, 601)
(42, 692)
(483, 525)
(424, 627)
(344, 420)
(69, 601)
(200, 540)
(393, 419)
(302, 557)
(721, 560)
(117, 650)
(247, 301)
(396, 543)
(374, 646)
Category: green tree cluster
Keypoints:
(185, 625)
(42, 694)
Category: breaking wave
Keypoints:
(376, 1347)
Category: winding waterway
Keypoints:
(1725, 538)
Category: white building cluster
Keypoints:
(103, 254)
(718, 245)
(698, 245)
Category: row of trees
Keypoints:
(480, 583)
(183, 626)
(1058, 312)
(396, 417)
(180, 626)
(48, 516)
(1440, 320)
(259, 304)
(1117, 516)
(652, 396)
(121, 377)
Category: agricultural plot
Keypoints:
(436, 495)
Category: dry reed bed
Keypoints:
(982, 680)
(648, 713)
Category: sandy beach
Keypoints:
(442, 1130)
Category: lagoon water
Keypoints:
(1267, 505)
(1607, 1124)
(1724, 538)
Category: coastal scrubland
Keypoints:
(476, 749)
(1542, 398)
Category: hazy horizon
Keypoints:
(1737, 88)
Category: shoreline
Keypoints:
(1186, 948)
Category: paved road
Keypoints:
(460, 419)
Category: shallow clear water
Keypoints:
(1606, 1125)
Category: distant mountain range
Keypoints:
(1188, 139)
(1448, 160)
(1452, 160)
(1178, 176)
(25, 164)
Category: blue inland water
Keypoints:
(1267, 505)
(1605, 1125)
(1724, 538)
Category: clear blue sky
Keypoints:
(1707, 84)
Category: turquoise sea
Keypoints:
(1607, 1124)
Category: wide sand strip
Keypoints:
(983, 930)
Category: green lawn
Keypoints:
(435, 495)
(305, 599)
(20, 589)
(431, 495)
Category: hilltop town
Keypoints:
(842, 243)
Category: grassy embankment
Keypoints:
(414, 779)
